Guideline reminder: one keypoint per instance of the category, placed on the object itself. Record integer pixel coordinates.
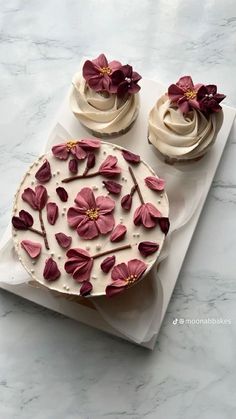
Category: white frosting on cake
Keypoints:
(103, 113)
(182, 136)
(135, 234)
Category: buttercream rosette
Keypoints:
(183, 124)
(105, 98)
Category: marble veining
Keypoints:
(53, 367)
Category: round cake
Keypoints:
(104, 97)
(90, 218)
(183, 124)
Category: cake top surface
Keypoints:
(89, 218)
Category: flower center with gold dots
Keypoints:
(92, 213)
(71, 144)
(105, 70)
(190, 94)
(131, 279)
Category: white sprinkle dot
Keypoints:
(33, 262)
(32, 182)
(59, 257)
(58, 172)
(32, 271)
(161, 195)
(95, 188)
(159, 201)
(87, 248)
(64, 208)
(123, 178)
(52, 254)
(67, 288)
(98, 246)
(138, 234)
(57, 183)
(36, 163)
(94, 277)
(64, 286)
(104, 152)
(54, 174)
(20, 259)
(62, 214)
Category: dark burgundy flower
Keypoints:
(131, 157)
(125, 80)
(107, 263)
(79, 264)
(52, 212)
(24, 221)
(77, 148)
(126, 202)
(51, 271)
(147, 215)
(44, 173)
(124, 275)
(97, 73)
(209, 99)
(33, 249)
(164, 224)
(73, 166)
(118, 233)
(36, 199)
(85, 289)
(147, 248)
(184, 94)
(112, 186)
(62, 193)
(63, 240)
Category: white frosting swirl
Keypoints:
(179, 136)
(102, 113)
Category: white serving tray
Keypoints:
(136, 140)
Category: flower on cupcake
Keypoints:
(187, 96)
(91, 216)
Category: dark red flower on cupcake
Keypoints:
(147, 215)
(209, 99)
(37, 198)
(77, 148)
(97, 73)
(79, 264)
(91, 216)
(125, 80)
(184, 94)
(124, 275)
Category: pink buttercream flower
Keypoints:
(77, 148)
(125, 80)
(184, 94)
(147, 214)
(209, 99)
(124, 275)
(97, 73)
(92, 216)
(79, 264)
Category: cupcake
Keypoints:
(105, 97)
(184, 123)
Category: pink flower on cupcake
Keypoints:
(97, 73)
(91, 216)
(184, 94)
(124, 275)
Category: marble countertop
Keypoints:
(53, 367)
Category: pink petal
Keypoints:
(73, 166)
(89, 70)
(131, 157)
(107, 263)
(60, 151)
(29, 197)
(109, 166)
(63, 240)
(44, 173)
(147, 248)
(175, 92)
(164, 224)
(74, 217)
(114, 65)
(85, 199)
(185, 83)
(96, 83)
(41, 197)
(78, 253)
(83, 273)
(120, 272)
(62, 193)
(51, 271)
(155, 183)
(147, 220)
(105, 204)
(52, 212)
(78, 152)
(112, 187)
(138, 215)
(136, 267)
(33, 249)
(87, 229)
(126, 202)
(118, 233)
(100, 61)
(90, 144)
(184, 106)
(86, 289)
(114, 289)
(105, 223)
(155, 213)
(91, 160)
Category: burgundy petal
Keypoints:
(41, 197)
(61, 192)
(91, 160)
(52, 212)
(155, 183)
(51, 271)
(126, 202)
(118, 233)
(147, 248)
(164, 224)
(33, 249)
(44, 173)
(131, 157)
(73, 166)
(109, 166)
(26, 217)
(112, 187)
(60, 151)
(18, 223)
(86, 288)
(63, 240)
(29, 197)
(108, 263)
